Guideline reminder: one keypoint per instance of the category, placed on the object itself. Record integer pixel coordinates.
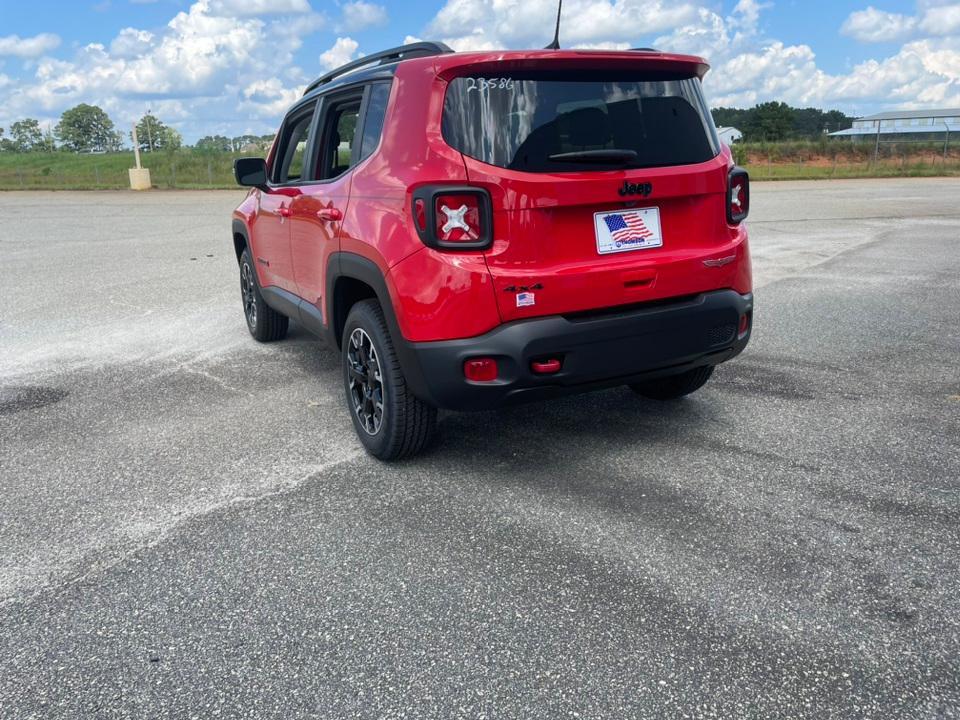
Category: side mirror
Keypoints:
(250, 172)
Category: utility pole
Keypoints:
(876, 150)
(149, 134)
(136, 147)
(946, 140)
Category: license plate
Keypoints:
(626, 230)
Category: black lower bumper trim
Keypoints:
(595, 352)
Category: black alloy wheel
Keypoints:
(248, 293)
(391, 422)
(263, 322)
(365, 381)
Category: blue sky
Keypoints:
(232, 66)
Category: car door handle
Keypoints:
(284, 211)
(330, 214)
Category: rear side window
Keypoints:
(340, 136)
(373, 122)
(519, 122)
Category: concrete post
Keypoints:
(136, 146)
(139, 176)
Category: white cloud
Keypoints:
(872, 25)
(259, 7)
(194, 73)
(603, 46)
(935, 18)
(942, 20)
(130, 42)
(218, 67)
(748, 12)
(361, 15)
(343, 51)
(29, 47)
(269, 98)
(940, 56)
(476, 41)
(493, 24)
(706, 36)
(748, 68)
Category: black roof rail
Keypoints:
(418, 49)
(644, 50)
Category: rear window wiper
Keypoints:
(611, 156)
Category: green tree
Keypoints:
(834, 120)
(49, 142)
(240, 141)
(778, 121)
(169, 139)
(771, 121)
(731, 117)
(812, 123)
(154, 134)
(26, 135)
(214, 143)
(147, 129)
(86, 128)
(807, 123)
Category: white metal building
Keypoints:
(904, 122)
(729, 135)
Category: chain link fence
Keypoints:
(843, 159)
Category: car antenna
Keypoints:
(555, 45)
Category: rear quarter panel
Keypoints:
(437, 296)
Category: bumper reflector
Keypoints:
(480, 369)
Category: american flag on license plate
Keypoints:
(626, 227)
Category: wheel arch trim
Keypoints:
(357, 267)
(240, 229)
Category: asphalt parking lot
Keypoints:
(188, 527)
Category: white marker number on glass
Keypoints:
(488, 84)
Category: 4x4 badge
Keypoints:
(720, 262)
(630, 188)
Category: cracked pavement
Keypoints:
(189, 528)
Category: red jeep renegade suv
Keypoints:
(474, 229)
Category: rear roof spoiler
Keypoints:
(504, 61)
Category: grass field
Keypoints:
(817, 160)
(839, 170)
(187, 169)
(192, 169)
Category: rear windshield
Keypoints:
(519, 122)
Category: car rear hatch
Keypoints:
(605, 176)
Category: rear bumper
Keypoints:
(596, 351)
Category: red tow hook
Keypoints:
(545, 367)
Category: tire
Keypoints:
(263, 322)
(674, 386)
(403, 425)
